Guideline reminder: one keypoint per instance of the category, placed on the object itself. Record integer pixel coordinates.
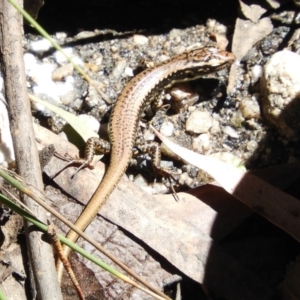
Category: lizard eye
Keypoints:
(189, 74)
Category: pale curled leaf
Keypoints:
(278, 207)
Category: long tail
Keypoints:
(105, 188)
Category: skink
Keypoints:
(125, 116)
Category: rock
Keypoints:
(199, 122)
(280, 90)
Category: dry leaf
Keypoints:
(246, 34)
(252, 12)
(276, 206)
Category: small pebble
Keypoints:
(255, 73)
(119, 68)
(181, 91)
(128, 72)
(167, 129)
(91, 122)
(168, 164)
(40, 46)
(231, 132)
(177, 40)
(182, 96)
(77, 103)
(211, 23)
(201, 143)
(149, 135)
(93, 97)
(139, 39)
(185, 179)
(62, 72)
(60, 58)
(252, 145)
(199, 122)
(98, 60)
(174, 33)
(113, 48)
(61, 36)
(92, 67)
(249, 108)
(40, 108)
(215, 129)
(237, 119)
(68, 97)
(85, 35)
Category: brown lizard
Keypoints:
(125, 116)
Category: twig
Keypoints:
(12, 65)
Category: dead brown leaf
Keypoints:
(276, 206)
(246, 34)
(253, 12)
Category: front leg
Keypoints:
(92, 145)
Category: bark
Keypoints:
(12, 65)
